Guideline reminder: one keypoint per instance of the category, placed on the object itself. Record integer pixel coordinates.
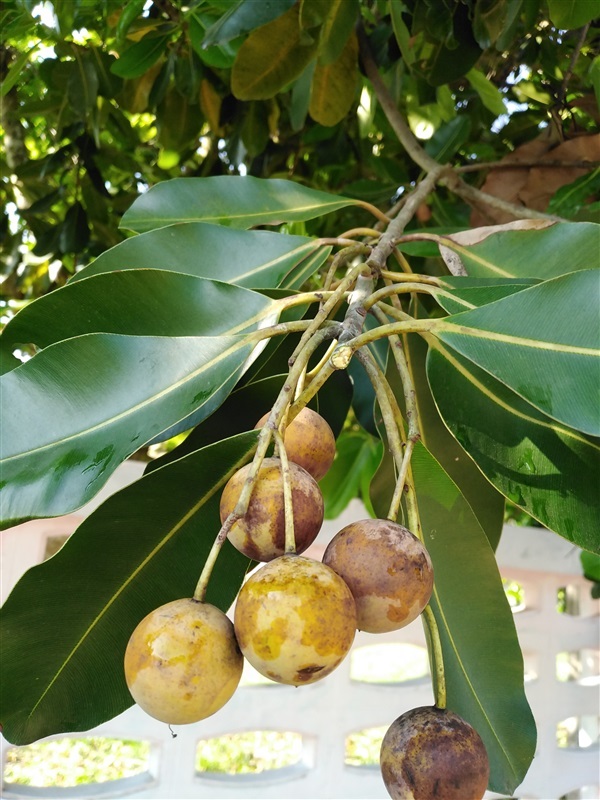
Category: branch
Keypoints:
(450, 178)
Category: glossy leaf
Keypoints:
(545, 253)
(334, 85)
(482, 659)
(544, 467)
(81, 406)
(254, 259)
(139, 57)
(466, 293)
(536, 346)
(244, 16)
(235, 202)
(271, 57)
(486, 502)
(570, 14)
(158, 303)
(74, 613)
(401, 32)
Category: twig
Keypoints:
(446, 175)
(526, 164)
(288, 505)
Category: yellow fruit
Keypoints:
(182, 662)
(429, 753)
(309, 442)
(388, 570)
(295, 620)
(260, 534)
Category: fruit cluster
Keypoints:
(295, 618)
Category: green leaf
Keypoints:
(489, 94)
(570, 14)
(243, 17)
(448, 139)
(532, 344)
(545, 468)
(486, 503)
(106, 395)
(571, 198)
(231, 201)
(254, 259)
(357, 458)
(543, 253)
(594, 75)
(591, 566)
(482, 659)
(74, 613)
(401, 32)
(271, 57)
(220, 56)
(337, 26)
(139, 57)
(74, 231)
(334, 85)
(14, 72)
(158, 303)
(462, 294)
(300, 98)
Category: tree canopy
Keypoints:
(102, 100)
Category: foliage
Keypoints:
(187, 318)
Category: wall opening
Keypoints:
(251, 753)
(393, 662)
(578, 733)
(361, 748)
(98, 763)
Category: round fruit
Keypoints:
(260, 533)
(295, 620)
(388, 570)
(182, 662)
(429, 753)
(309, 442)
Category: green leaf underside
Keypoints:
(74, 613)
(463, 298)
(534, 346)
(482, 659)
(235, 202)
(545, 253)
(159, 303)
(66, 434)
(486, 503)
(254, 259)
(544, 467)
(334, 86)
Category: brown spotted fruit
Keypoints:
(388, 570)
(429, 753)
(182, 662)
(260, 533)
(295, 620)
(309, 442)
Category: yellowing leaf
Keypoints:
(271, 57)
(334, 86)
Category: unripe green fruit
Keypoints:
(309, 442)
(295, 620)
(260, 533)
(182, 662)
(432, 753)
(388, 570)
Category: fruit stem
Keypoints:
(436, 656)
(404, 287)
(288, 505)
(399, 277)
(386, 406)
(313, 387)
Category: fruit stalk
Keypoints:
(288, 507)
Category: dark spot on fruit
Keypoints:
(305, 673)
